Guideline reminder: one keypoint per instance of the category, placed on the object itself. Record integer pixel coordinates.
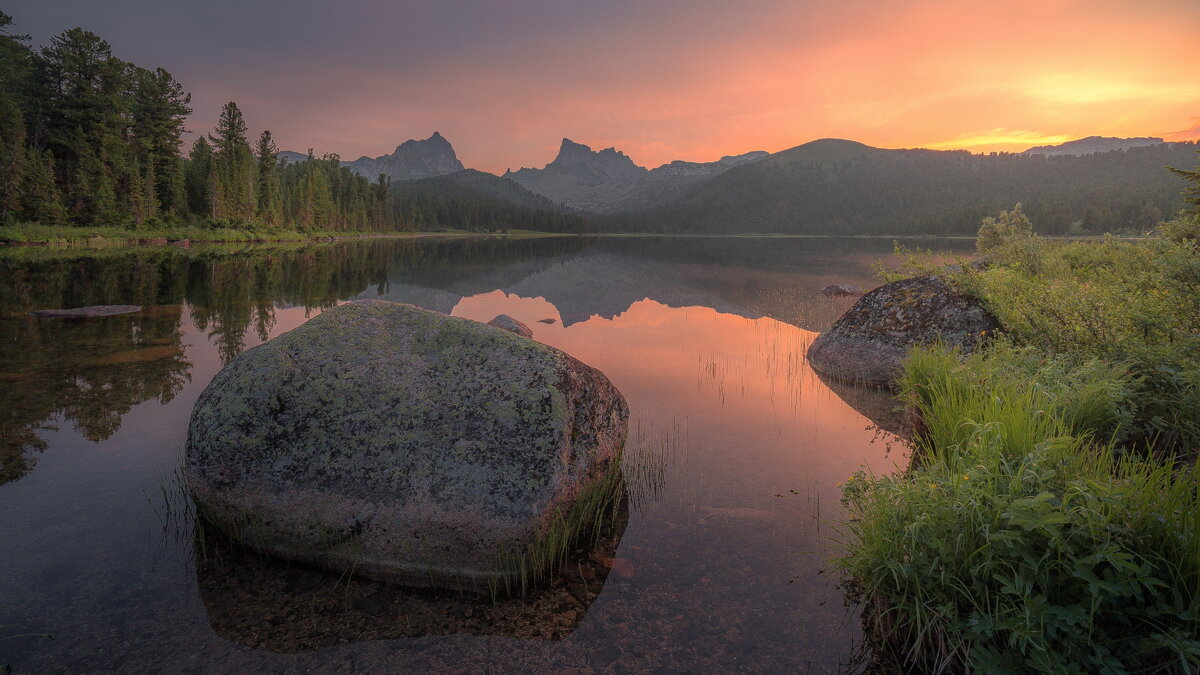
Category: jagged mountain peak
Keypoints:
(413, 159)
(609, 161)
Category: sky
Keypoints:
(506, 80)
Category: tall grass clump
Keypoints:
(1050, 519)
(1135, 304)
(1021, 542)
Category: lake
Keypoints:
(737, 448)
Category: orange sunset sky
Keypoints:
(670, 79)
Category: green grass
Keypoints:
(1050, 520)
(1019, 543)
(98, 236)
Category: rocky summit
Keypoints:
(868, 343)
(412, 160)
(400, 444)
(608, 181)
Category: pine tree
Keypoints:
(14, 68)
(83, 91)
(270, 198)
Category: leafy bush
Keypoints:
(1007, 228)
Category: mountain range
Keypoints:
(1093, 184)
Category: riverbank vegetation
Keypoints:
(1050, 521)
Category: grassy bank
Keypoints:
(103, 237)
(1051, 519)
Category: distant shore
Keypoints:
(109, 237)
(184, 236)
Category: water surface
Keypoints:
(720, 564)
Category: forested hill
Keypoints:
(478, 201)
(835, 186)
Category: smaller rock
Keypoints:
(867, 345)
(547, 320)
(841, 289)
(86, 312)
(512, 325)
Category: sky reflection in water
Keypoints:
(722, 566)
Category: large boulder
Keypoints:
(401, 444)
(867, 344)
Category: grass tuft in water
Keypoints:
(598, 506)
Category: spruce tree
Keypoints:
(159, 108)
(234, 167)
(12, 157)
(197, 176)
(40, 198)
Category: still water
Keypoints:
(721, 564)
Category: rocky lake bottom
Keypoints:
(734, 452)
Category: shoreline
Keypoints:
(108, 238)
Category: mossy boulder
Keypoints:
(868, 343)
(400, 444)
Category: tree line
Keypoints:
(89, 139)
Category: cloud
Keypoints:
(1191, 134)
(992, 138)
(664, 80)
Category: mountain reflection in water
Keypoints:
(721, 555)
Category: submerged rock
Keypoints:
(86, 312)
(841, 289)
(400, 444)
(867, 344)
(511, 325)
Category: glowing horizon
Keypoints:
(691, 80)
